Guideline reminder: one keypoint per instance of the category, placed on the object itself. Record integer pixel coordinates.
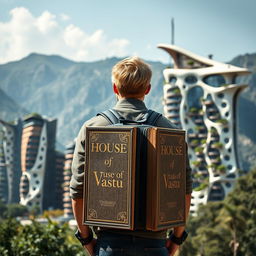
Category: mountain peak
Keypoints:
(56, 59)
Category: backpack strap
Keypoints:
(113, 117)
(152, 118)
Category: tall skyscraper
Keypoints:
(38, 163)
(200, 96)
(31, 170)
(10, 160)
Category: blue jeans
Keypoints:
(110, 244)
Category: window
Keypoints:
(228, 185)
(214, 80)
(191, 79)
(226, 157)
(226, 140)
(194, 97)
(225, 130)
(172, 80)
(230, 166)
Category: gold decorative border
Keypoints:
(181, 141)
(124, 137)
(94, 136)
(92, 214)
(122, 216)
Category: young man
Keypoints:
(131, 83)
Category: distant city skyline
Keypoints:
(85, 30)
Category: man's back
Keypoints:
(131, 82)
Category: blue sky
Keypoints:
(85, 30)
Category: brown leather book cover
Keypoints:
(109, 187)
(166, 179)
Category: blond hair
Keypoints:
(131, 76)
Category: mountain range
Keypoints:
(73, 92)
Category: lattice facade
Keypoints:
(200, 96)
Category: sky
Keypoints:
(89, 30)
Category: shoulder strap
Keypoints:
(113, 117)
(152, 118)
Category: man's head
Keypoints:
(131, 78)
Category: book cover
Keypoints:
(109, 187)
(166, 178)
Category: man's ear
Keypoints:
(148, 89)
(115, 89)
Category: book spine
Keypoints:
(151, 180)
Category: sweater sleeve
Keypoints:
(78, 163)
(77, 178)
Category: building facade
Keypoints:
(3, 173)
(60, 163)
(10, 161)
(38, 163)
(68, 213)
(200, 96)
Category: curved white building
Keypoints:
(200, 96)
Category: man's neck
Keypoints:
(119, 97)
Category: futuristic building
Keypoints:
(67, 176)
(3, 173)
(38, 163)
(60, 162)
(10, 161)
(200, 96)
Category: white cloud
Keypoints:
(46, 22)
(64, 17)
(24, 33)
(73, 36)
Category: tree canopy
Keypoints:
(36, 239)
(226, 228)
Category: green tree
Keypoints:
(205, 237)
(243, 199)
(225, 228)
(233, 220)
(37, 239)
(8, 229)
